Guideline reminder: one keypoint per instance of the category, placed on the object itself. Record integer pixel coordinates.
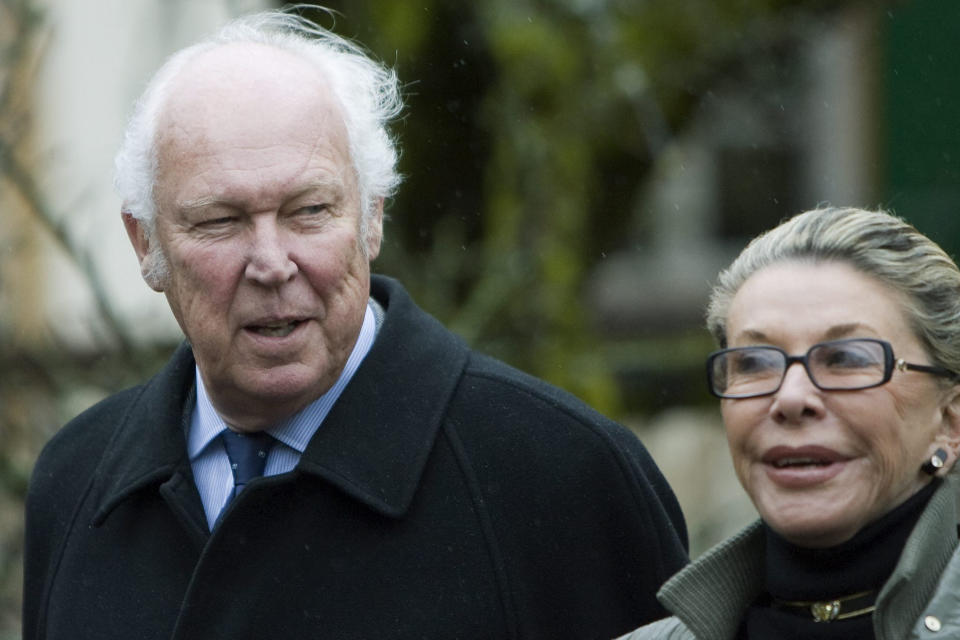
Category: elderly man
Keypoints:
(320, 458)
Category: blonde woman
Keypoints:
(839, 335)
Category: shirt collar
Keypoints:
(374, 446)
(295, 431)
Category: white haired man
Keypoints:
(320, 458)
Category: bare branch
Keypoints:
(19, 60)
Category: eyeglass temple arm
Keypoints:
(903, 365)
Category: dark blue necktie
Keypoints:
(248, 455)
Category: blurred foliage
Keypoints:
(531, 132)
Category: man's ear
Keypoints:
(374, 235)
(147, 255)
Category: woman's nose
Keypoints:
(797, 397)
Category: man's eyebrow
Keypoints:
(332, 185)
(321, 185)
(198, 203)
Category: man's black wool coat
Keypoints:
(445, 496)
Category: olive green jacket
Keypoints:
(920, 600)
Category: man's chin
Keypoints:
(263, 400)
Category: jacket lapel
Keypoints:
(710, 595)
(376, 440)
(924, 557)
(149, 445)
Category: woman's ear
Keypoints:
(951, 414)
(947, 441)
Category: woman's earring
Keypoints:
(935, 463)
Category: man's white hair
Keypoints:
(368, 94)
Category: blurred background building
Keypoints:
(577, 171)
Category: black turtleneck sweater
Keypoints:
(862, 563)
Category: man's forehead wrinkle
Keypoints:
(176, 137)
(336, 143)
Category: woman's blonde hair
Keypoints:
(875, 243)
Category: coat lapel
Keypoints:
(710, 595)
(376, 440)
(927, 552)
(149, 445)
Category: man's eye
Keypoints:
(313, 209)
(216, 222)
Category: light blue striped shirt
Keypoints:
(208, 457)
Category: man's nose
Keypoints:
(269, 261)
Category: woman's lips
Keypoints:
(800, 467)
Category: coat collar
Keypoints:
(375, 442)
(710, 595)
(149, 445)
(373, 445)
(925, 555)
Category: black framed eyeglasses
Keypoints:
(837, 365)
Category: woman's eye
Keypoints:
(754, 362)
(848, 358)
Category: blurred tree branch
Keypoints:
(23, 180)
(24, 36)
